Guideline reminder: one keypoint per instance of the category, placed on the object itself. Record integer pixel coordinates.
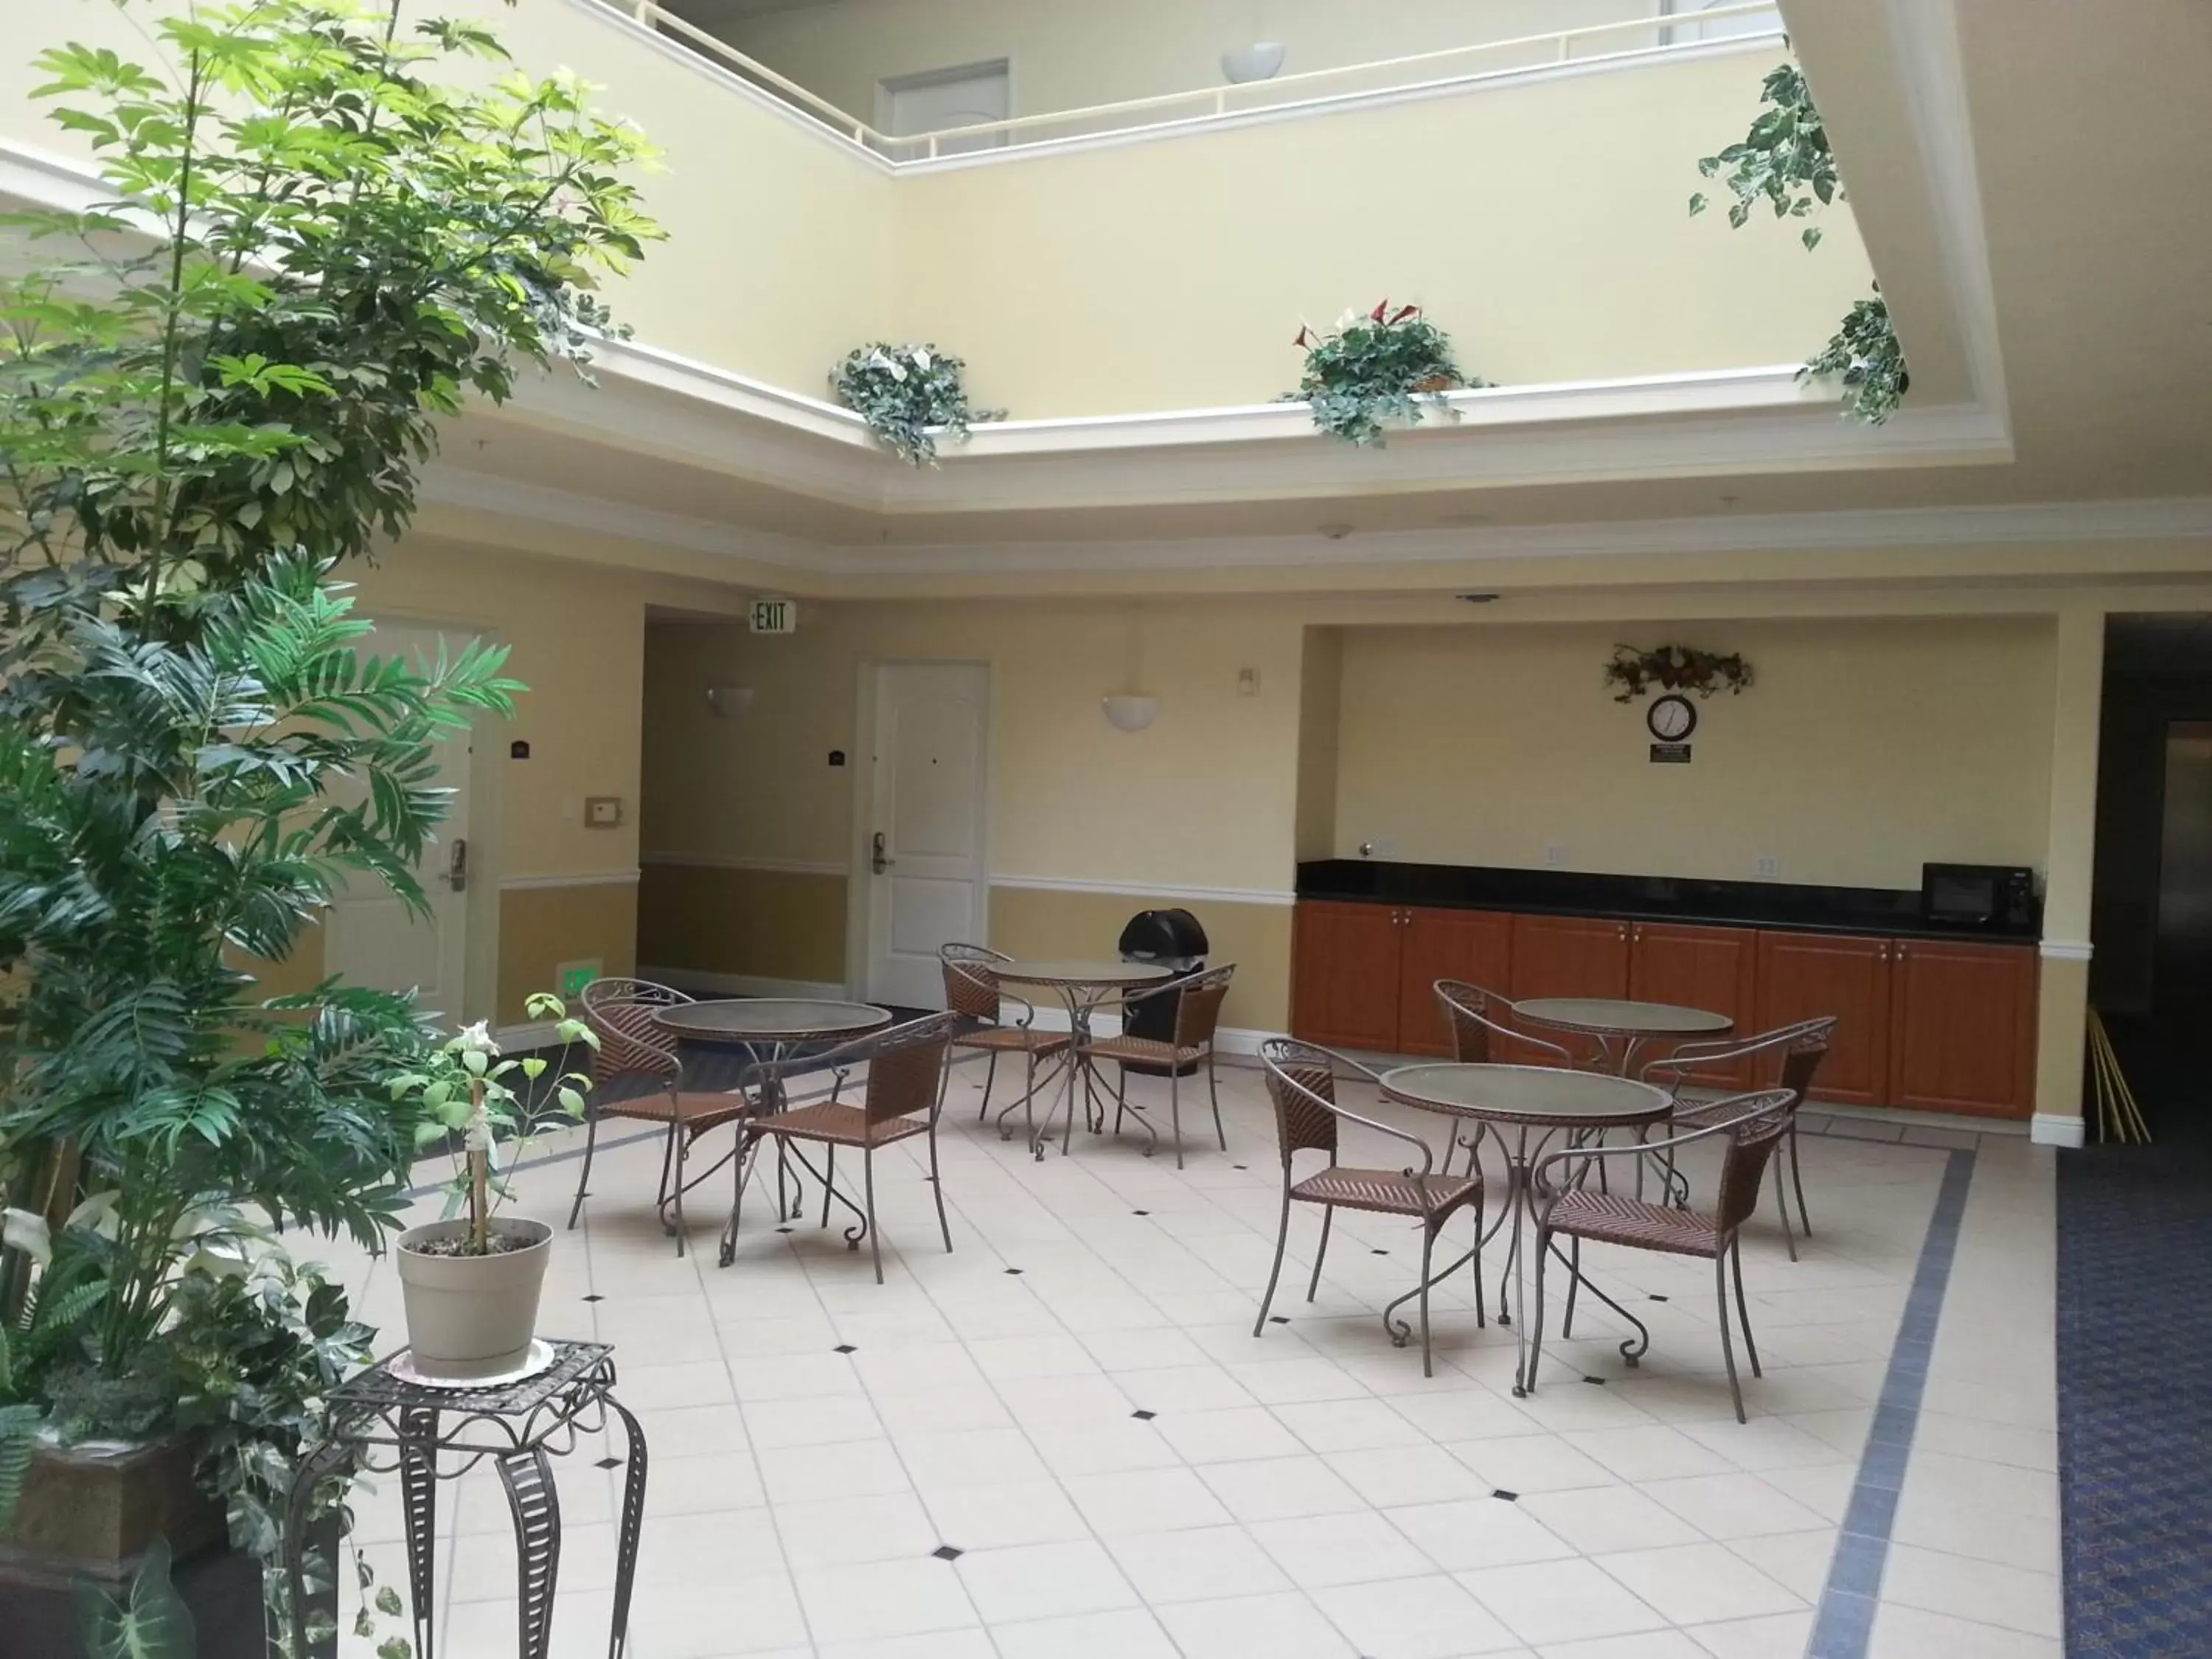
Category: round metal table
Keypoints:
(767, 1028)
(1084, 986)
(1535, 1103)
(1621, 1027)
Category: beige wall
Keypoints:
(1068, 54)
(1321, 704)
(1863, 748)
(1174, 274)
(779, 247)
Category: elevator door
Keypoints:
(2184, 885)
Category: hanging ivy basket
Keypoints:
(1675, 668)
(1375, 367)
(911, 396)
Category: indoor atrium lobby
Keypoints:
(1021, 830)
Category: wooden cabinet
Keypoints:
(1807, 976)
(1345, 974)
(1962, 1027)
(1715, 968)
(1569, 956)
(1476, 946)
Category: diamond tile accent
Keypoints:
(1144, 1416)
(595, 1297)
(948, 1553)
(1509, 1497)
(608, 1463)
(844, 1347)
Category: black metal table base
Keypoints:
(439, 1434)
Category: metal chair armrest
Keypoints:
(1428, 1157)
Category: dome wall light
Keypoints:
(1260, 61)
(727, 700)
(1129, 711)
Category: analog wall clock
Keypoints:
(1671, 718)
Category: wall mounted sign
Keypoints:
(1676, 754)
(773, 617)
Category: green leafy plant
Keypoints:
(150, 1622)
(909, 395)
(1783, 161)
(1866, 356)
(1375, 366)
(212, 388)
(464, 1095)
(1675, 668)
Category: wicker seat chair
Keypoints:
(1198, 1017)
(973, 992)
(1302, 1087)
(620, 1012)
(901, 1097)
(1568, 1207)
(1476, 1017)
(1800, 1049)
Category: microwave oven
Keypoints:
(1978, 896)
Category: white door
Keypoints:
(926, 837)
(939, 99)
(371, 939)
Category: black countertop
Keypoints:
(1880, 912)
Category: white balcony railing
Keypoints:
(1634, 39)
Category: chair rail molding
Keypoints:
(526, 883)
(736, 861)
(1267, 896)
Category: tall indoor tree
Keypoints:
(333, 223)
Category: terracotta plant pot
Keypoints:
(472, 1315)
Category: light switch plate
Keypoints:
(602, 812)
(1767, 868)
(1555, 855)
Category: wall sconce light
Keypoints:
(1129, 711)
(727, 700)
(1257, 62)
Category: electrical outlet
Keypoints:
(1767, 868)
(1555, 855)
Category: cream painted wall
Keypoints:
(1543, 226)
(1068, 54)
(1206, 797)
(1863, 748)
(1172, 274)
(779, 245)
(1321, 704)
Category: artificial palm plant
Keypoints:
(213, 389)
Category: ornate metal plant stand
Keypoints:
(439, 1434)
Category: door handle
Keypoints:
(877, 861)
(457, 865)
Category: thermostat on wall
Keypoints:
(602, 812)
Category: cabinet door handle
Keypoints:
(1900, 953)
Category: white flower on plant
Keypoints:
(476, 1038)
(21, 1230)
(921, 358)
(883, 360)
(97, 1212)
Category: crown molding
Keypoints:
(2179, 519)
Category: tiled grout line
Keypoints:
(1843, 1623)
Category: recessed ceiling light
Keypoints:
(1477, 598)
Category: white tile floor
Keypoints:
(1308, 1493)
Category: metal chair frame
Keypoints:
(633, 1048)
(1467, 1011)
(1198, 1018)
(887, 1093)
(1804, 1045)
(1753, 1134)
(976, 994)
(1281, 1056)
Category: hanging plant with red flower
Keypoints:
(1675, 668)
(1375, 366)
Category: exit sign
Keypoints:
(774, 616)
(574, 976)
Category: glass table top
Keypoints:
(770, 1019)
(1618, 1015)
(1075, 971)
(1479, 1089)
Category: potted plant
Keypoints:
(909, 395)
(1675, 668)
(1375, 366)
(472, 1282)
(214, 388)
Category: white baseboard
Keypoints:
(2057, 1129)
(742, 985)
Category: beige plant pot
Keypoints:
(472, 1315)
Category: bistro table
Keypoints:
(1083, 986)
(1621, 1027)
(1536, 1104)
(768, 1030)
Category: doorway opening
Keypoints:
(2150, 977)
